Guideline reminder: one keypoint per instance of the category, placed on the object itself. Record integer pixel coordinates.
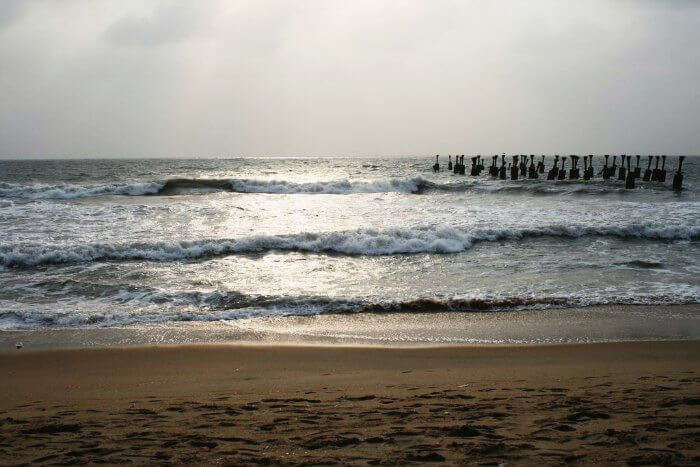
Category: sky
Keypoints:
(213, 78)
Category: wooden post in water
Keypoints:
(562, 171)
(622, 174)
(656, 172)
(629, 179)
(662, 172)
(678, 176)
(532, 170)
(554, 171)
(647, 172)
(493, 169)
(514, 169)
(606, 170)
(574, 173)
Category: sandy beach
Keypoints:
(615, 403)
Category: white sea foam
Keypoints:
(173, 186)
(38, 191)
(358, 242)
(417, 184)
(410, 185)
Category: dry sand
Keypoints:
(611, 403)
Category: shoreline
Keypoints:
(593, 324)
(549, 404)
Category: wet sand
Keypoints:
(612, 403)
(603, 323)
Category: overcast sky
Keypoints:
(253, 77)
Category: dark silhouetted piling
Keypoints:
(606, 168)
(588, 167)
(656, 172)
(678, 176)
(629, 178)
(532, 170)
(622, 174)
(647, 172)
(562, 171)
(493, 168)
(574, 173)
(554, 171)
(662, 172)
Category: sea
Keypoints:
(90, 244)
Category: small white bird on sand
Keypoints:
(19, 345)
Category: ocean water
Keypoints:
(110, 243)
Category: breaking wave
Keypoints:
(414, 185)
(204, 185)
(639, 263)
(359, 242)
(338, 187)
(77, 191)
(193, 306)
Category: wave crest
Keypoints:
(205, 185)
(337, 187)
(77, 191)
(413, 185)
(195, 306)
(368, 242)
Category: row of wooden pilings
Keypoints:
(519, 168)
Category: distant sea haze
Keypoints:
(106, 243)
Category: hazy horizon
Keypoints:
(166, 79)
(443, 157)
